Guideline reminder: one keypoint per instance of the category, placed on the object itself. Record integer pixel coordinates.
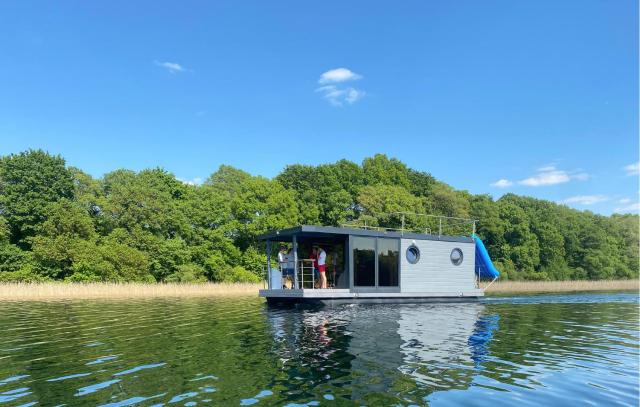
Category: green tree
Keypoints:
(380, 206)
(380, 169)
(66, 236)
(325, 194)
(256, 205)
(29, 182)
(148, 200)
(521, 245)
(60, 223)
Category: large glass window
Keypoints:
(364, 261)
(388, 252)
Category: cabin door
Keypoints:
(363, 250)
(375, 263)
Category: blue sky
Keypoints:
(534, 97)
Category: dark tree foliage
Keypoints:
(30, 181)
(58, 223)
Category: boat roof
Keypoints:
(286, 235)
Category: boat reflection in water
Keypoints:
(380, 353)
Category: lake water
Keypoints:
(530, 350)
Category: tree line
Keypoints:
(59, 223)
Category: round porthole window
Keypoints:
(413, 254)
(456, 257)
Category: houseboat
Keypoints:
(375, 265)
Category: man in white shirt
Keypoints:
(322, 259)
(285, 259)
(290, 260)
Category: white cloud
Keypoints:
(338, 75)
(502, 183)
(632, 169)
(353, 95)
(546, 178)
(586, 199)
(624, 201)
(194, 181)
(631, 208)
(338, 95)
(580, 176)
(550, 175)
(172, 67)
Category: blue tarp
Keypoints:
(484, 265)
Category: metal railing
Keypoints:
(426, 227)
(476, 272)
(306, 275)
(305, 268)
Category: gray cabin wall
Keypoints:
(434, 272)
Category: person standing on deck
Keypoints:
(322, 259)
(283, 261)
(290, 258)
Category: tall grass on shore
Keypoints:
(52, 291)
(508, 287)
(59, 291)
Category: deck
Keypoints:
(332, 295)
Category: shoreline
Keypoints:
(105, 291)
(568, 286)
(79, 291)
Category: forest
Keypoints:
(59, 223)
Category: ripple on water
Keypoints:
(14, 394)
(101, 360)
(13, 379)
(139, 368)
(256, 399)
(71, 376)
(132, 401)
(526, 350)
(95, 387)
(182, 397)
(207, 377)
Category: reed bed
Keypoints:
(512, 287)
(53, 291)
(60, 291)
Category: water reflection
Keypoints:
(536, 350)
(483, 332)
(375, 348)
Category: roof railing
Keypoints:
(448, 221)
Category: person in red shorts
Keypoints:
(321, 260)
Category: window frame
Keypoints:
(461, 260)
(418, 254)
(376, 287)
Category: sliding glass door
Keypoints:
(375, 261)
(388, 262)
(364, 261)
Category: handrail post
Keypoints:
(295, 261)
(440, 227)
(268, 249)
